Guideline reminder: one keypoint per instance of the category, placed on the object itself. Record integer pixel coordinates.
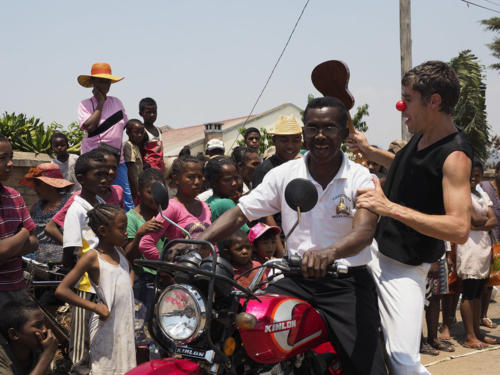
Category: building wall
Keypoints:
(267, 121)
(23, 161)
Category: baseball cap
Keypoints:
(259, 229)
(214, 144)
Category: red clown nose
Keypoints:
(400, 105)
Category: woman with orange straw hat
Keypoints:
(104, 119)
(53, 191)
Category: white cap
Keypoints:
(214, 144)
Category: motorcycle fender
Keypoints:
(166, 366)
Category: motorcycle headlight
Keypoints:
(181, 313)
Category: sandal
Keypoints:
(443, 346)
(487, 322)
(426, 348)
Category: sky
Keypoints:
(206, 61)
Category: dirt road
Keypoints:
(468, 361)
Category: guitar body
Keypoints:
(331, 78)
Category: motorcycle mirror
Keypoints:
(159, 194)
(301, 193)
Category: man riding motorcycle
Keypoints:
(333, 231)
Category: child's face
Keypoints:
(146, 197)
(252, 140)
(96, 180)
(136, 134)
(112, 166)
(240, 252)
(43, 190)
(247, 169)
(148, 114)
(116, 232)
(265, 247)
(227, 184)
(190, 181)
(6, 163)
(59, 147)
(475, 177)
(238, 193)
(27, 334)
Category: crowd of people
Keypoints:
(407, 244)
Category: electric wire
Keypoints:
(479, 6)
(274, 67)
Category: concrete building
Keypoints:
(197, 136)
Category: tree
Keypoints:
(470, 111)
(493, 24)
(31, 135)
(357, 120)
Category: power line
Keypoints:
(480, 6)
(492, 2)
(275, 65)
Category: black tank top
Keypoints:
(415, 181)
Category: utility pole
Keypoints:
(405, 47)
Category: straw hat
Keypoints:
(99, 70)
(287, 125)
(48, 173)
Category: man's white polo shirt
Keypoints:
(331, 218)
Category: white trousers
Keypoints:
(401, 295)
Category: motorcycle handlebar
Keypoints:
(295, 261)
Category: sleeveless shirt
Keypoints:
(415, 181)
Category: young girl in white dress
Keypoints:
(112, 346)
(473, 262)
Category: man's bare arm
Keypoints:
(225, 225)
(315, 262)
(23, 242)
(357, 142)
(454, 225)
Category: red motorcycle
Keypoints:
(206, 323)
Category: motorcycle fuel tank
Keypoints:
(166, 366)
(285, 327)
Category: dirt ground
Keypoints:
(468, 361)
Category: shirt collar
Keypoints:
(342, 173)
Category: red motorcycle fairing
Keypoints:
(166, 366)
(285, 327)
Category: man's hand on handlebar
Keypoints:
(315, 262)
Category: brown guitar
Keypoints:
(331, 79)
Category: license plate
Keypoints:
(206, 355)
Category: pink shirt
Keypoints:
(114, 135)
(181, 216)
(115, 198)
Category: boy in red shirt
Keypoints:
(152, 152)
(16, 232)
